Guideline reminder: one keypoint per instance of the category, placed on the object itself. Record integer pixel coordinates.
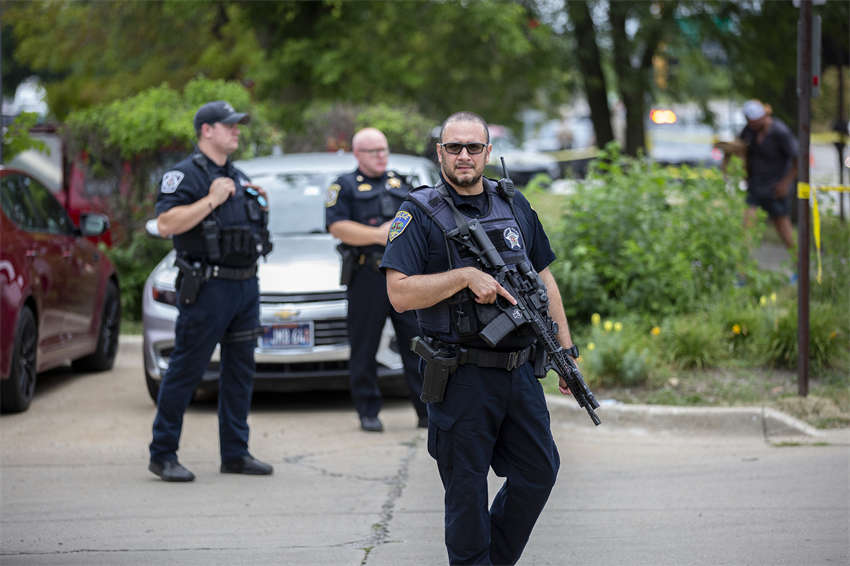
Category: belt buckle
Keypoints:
(513, 358)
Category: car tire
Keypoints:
(103, 358)
(17, 391)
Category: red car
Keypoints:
(59, 297)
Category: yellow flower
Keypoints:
(736, 329)
(763, 300)
(655, 331)
(618, 326)
(773, 297)
(833, 334)
(608, 326)
(591, 346)
(595, 318)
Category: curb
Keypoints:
(773, 426)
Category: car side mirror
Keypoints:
(93, 224)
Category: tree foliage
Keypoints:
(94, 52)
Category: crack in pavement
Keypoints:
(381, 529)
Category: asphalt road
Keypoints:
(641, 490)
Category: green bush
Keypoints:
(134, 262)
(639, 238)
(616, 354)
(693, 341)
(828, 338)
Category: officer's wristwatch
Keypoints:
(572, 351)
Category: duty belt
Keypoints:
(372, 259)
(222, 272)
(493, 359)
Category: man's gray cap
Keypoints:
(219, 111)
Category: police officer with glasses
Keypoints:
(360, 206)
(491, 411)
(219, 224)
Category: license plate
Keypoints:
(287, 335)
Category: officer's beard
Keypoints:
(461, 182)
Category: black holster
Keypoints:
(349, 259)
(440, 364)
(191, 278)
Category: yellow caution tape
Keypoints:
(803, 191)
(816, 230)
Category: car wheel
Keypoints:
(103, 358)
(17, 391)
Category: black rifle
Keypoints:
(525, 285)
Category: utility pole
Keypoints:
(804, 89)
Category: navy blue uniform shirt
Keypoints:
(186, 182)
(421, 239)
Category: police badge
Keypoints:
(511, 237)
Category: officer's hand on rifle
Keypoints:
(221, 189)
(562, 387)
(485, 288)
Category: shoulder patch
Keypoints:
(400, 222)
(332, 195)
(171, 180)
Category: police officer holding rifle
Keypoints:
(449, 246)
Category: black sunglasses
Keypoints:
(455, 148)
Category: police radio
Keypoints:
(506, 186)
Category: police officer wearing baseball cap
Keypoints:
(219, 223)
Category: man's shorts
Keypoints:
(775, 207)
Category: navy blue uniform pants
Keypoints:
(225, 311)
(492, 418)
(368, 309)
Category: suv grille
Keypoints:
(330, 331)
(303, 297)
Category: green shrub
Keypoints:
(134, 262)
(615, 354)
(638, 238)
(694, 341)
(828, 338)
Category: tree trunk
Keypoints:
(589, 60)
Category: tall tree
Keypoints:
(590, 64)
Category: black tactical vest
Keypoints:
(235, 234)
(458, 319)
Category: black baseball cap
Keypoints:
(219, 111)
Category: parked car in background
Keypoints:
(303, 306)
(59, 297)
(522, 164)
